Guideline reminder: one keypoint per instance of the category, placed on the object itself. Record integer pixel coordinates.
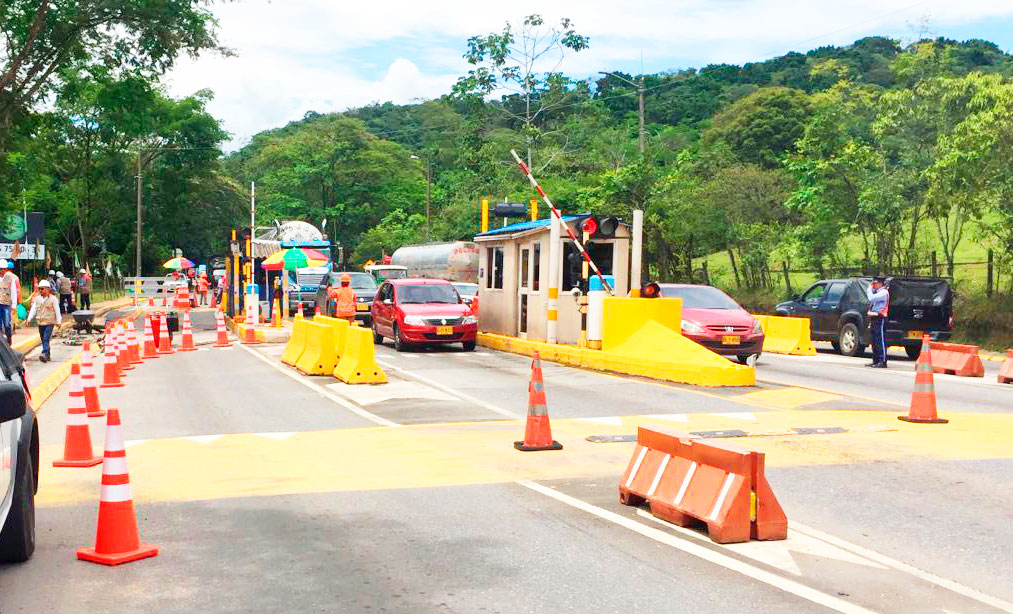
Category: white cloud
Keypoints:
(328, 55)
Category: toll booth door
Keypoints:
(525, 269)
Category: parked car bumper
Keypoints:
(428, 335)
(900, 337)
(749, 344)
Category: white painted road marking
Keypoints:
(711, 556)
(460, 395)
(320, 389)
(369, 395)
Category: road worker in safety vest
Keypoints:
(344, 299)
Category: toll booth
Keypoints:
(514, 277)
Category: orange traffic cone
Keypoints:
(923, 397)
(223, 335)
(276, 314)
(150, 351)
(537, 432)
(116, 539)
(249, 329)
(77, 440)
(164, 344)
(122, 353)
(133, 345)
(110, 366)
(186, 344)
(214, 299)
(88, 385)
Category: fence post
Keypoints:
(988, 284)
(787, 278)
(935, 265)
(706, 273)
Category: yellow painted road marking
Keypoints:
(787, 398)
(434, 455)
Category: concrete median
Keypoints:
(1006, 370)
(956, 359)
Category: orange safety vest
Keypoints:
(345, 299)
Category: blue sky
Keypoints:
(329, 55)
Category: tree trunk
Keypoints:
(735, 269)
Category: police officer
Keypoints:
(879, 308)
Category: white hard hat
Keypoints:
(59, 273)
(52, 272)
(44, 283)
(83, 271)
(3, 263)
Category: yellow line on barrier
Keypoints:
(52, 382)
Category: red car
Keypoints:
(422, 312)
(714, 320)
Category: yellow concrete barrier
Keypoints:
(319, 358)
(340, 327)
(296, 343)
(358, 365)
(655, 351)
(623, 317)
(784, 335)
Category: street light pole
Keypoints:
(140, 213)
(640, 90)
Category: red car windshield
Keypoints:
(422, 294)
(700, 297)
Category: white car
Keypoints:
(19, 462)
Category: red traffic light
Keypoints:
(590, 226)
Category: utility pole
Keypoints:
(640, 90)
(140, 214)
(429, 183)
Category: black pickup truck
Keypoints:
(837, 311)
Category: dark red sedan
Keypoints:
(714, 320)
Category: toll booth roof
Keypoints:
(529, 225)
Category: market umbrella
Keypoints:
(177, 264)
(292, 259)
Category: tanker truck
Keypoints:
(456, 261)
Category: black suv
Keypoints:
(19, 461)
(837, 310)
(365, 289)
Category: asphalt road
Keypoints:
(270, 491)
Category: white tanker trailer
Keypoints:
(457, 261)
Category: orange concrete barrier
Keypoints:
(956, 359)
(689, 481)
(1006, 370)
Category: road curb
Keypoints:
(52, 382)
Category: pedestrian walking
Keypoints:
(46, 312)
(84, 288)
(10, 297)
(66, 292)
(344, 299)
(879, 308)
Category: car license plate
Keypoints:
(362, 307)
(915, 334)
(444, 330)
(731, 340)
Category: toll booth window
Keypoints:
(601, 254)
(525, 254)
(537, 266)
(494, 268)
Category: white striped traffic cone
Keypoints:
(133, 345)
(116, 538)
(223, 335)
(110, 365)
(164, 343)
(88, 384)
(186, 339)
(122, 353)
(150, 349)
(77, 440)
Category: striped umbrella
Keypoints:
(292, 259)
(177, 263)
